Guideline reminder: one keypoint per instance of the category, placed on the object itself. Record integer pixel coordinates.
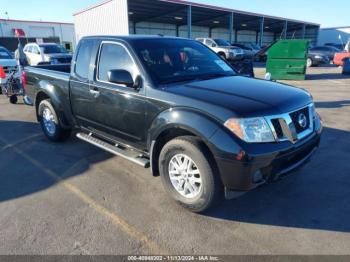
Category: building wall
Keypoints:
(197, 31)
(109, 18)
(331, 35)
(65, 32)
(149, 28)
(222, 33)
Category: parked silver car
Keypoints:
(223, 48)
(48, 53)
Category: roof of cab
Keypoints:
(132, 37)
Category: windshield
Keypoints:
(4, 54)
(255, 46)
(53, 49)
(172, 60)
(333, 48)
(222, 42)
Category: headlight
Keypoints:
(54, 61)
(251, 130)
(317, 120)
(318, 57)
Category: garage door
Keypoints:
(41, 31)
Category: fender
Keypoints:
(193, 121)
(59, 99)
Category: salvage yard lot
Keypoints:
(73, 198)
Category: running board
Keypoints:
(128, 154)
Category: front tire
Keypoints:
(188, 175)
(50, 123)
(223, 56)
(309, 62)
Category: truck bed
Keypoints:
(64, 68)
(48, 78)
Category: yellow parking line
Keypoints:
(113, 217)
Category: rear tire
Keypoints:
(50, 122)
(188, 175)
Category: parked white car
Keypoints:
(48, 53)
(223, 48)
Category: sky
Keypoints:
(317, 11)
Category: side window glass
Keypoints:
(114, 57)
(36, 50)
(209, 42)
(82, 64)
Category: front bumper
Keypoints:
(234, 56)
(264, 162)
(321, 60)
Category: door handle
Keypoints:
(94, 91)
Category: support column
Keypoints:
(262, 23)
(231, 18)
(177, 31)
(134, 27)
(285, 34)
(303, 31)
(189, 22)
(210, 32)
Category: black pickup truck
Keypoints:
(175, 106)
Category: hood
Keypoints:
(314, 53)
(8, 62)
(245, 97)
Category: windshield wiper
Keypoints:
(195, 78)
(217, 75)
(182, 79)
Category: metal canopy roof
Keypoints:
(175, 12)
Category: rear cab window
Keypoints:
(82, 63)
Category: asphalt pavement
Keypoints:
(73, 198)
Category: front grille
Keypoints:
(295, 119)
(278, 129)
(292, 126)
(64, 60)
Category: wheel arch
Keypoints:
(43, 94)
(222, 54)
(176, 123)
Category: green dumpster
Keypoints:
(286, 59)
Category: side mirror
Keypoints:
(213, 45)
(121, 77)
(268, 77)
